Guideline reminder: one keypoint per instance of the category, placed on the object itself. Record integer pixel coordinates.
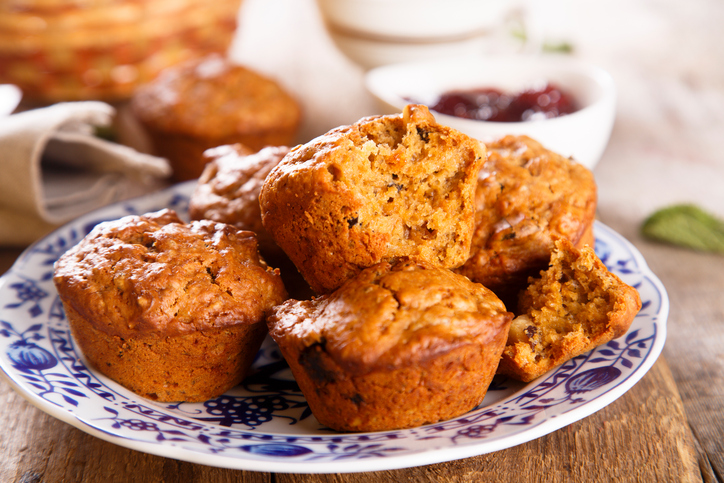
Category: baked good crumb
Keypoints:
(574, 306)
(384, 188)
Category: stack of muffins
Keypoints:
(380, 219)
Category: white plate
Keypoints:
(265, 424)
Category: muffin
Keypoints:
(68, 50)
(384, 188)
(394, 347)
(228, 189)
(172, 311)
(574, 306)
(526, 197)
(209, 102)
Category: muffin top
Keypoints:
(155, 273)
(526, 197)
(390, 316)
(381, 189)
(228, 189)
(211, 97)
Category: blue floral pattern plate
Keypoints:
(264, 424)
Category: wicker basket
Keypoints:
(59, 50)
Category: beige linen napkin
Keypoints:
(53, 169)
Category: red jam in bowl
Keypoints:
(486, 104)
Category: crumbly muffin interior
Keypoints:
(411, 177)
(570, 301)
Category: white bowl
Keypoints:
(414, 19)
(380, 32)
(371, 52)
(582, 135)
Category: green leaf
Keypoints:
(686, 225)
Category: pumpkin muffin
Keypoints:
(228, 189)
(394, 347)
(574, 306)
(172, 311)
(382, 189)
(526, 197)
(209, 102)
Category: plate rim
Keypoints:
(424, 456)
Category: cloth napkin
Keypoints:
(53, 168)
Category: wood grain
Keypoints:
(696, 341)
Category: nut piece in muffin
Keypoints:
(210, 102)
(575, 305)
(172, 311)
(394, 347)
(228, 189)
(384, 188)
(526, 197)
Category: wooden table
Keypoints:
(664, 149)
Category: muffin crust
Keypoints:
(228, 189)
(394, 347)
(171, 311)
(209, 102)
(527, 196)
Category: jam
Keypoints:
(486, 104)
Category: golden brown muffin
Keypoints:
(394, 347)
(63, 50)
(384, 188)
(526, 197)
(575, 305)
(211, 102)
(174, 312)
(228, 189)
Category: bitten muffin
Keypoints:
(394, 347)
(228, 189)
(210, 102)
(172, 311)
(574, 306)
(384, 188)
(526, 197)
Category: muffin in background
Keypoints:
(172, 311)
(68, 50)
(209, 102)
(381, 189)
(394, 347)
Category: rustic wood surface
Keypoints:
(667, 59)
